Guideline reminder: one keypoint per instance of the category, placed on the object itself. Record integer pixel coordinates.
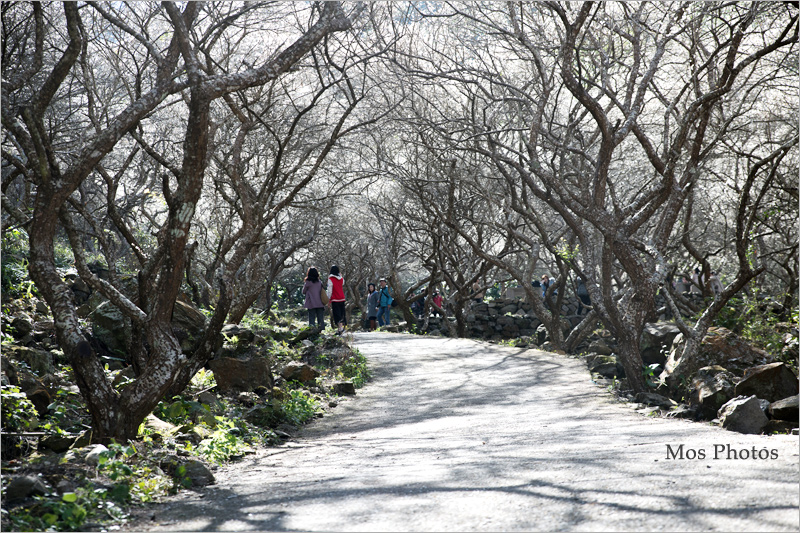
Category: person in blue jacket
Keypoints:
(385, 304)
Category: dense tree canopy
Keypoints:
(213, 149)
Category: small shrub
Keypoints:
(203, 380)
(299, 407)
(224, 443)
(179, 411)
(354, 368)
(67, 513)
(746, 317)
(17, 410)
(255, 320)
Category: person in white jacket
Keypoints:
(697, 283)
(715, 284)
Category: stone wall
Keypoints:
(504, 318)
(509, 318)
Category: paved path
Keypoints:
(457, 435)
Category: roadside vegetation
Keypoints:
(77, 486)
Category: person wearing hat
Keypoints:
(385, 304)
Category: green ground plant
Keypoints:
(255, 320)
(203, 380)
(130, 473)
(135, 479)
(18, 413)
(354, 367)
(746, 316)
(69, 512)
(299, 407)
(224, 444)
(650, 375)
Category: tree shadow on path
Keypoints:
(457, 435)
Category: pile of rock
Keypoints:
(731, 381)
(764, 400)
(728, 381)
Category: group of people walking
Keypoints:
(380, 300)
(331, 294)
(694, 287)
(318, 296)
(379, 304)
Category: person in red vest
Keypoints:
(336, 299)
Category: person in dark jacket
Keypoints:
(584, 302)
(312, 288)
(545, 284)
(373, 302)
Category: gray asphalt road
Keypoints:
(457, 435)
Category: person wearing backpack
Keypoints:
(337, 299)
(385, 304)
(312, 288)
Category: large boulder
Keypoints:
(785, 409)
(188, 324)
(234, 330)
(108, 326)
(9, 370)
(655, 400)
(510, 332)
(779, 426)
(22, 324)
(345, 388)
(93, 453)
(262, 416)
(599, 346)
(297, 371)
(656, 341)
(504, 321)
(605, 365)
(712, 387)
(772, 382)
(40, 397)
(39, 361)
(236, 375)
(509, 308)
(57, 442)
(197, 473)
(720, 347)
(152, 422)
(22, 487)
(743, 414)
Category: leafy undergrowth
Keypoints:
(89, 488)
